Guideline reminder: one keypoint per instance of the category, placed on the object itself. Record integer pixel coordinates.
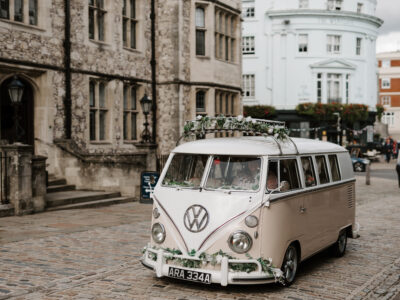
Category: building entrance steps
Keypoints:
(61, 196)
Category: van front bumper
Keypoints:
(156, 260)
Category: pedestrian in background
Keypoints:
(398, 169)
(395, 149)
(388, 148)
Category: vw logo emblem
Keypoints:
(195, 218)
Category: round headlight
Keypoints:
(156, 213)
(251, 221)
(240, 242)
(158, 233)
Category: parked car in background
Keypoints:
(359, 163)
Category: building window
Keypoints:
(303, 43)
(334, 4)
(386, 83)
(248, 46)
(4, 9)
(98, 110)
(319, 87)
(200, 102)
(358, 46)
(388, 118)
(19, 10)
(333, 44)
(200, 31)
(225, 35)
(303, 3)
(96, 19)
(386, 63)
(249, 85)
(130, 112)
(334, 88)
(386, 100)
(359, 7)
(248, 10)
(225, 103)
(129, 23)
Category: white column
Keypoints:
(324, 88)
(343, 83)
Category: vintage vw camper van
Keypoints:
(248, 210)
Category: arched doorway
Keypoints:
(25, 114)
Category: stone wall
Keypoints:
(180, 72)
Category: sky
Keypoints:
(389, 33)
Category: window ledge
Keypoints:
(227, 61)
(24, 25)
(202, 57)
(251, 19)
(100, 43)
(131, 142)
(132, 50)
(100, 143)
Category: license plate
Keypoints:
(189, 275)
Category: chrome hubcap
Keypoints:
(290, 266)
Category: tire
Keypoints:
(290, 265)
(339, 248)
(358, 167)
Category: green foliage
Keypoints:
(259, 111)
(326, 112)
(379, 111)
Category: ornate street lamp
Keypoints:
(146, 104)
(15, 90)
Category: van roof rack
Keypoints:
(249, 126)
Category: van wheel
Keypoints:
(290, 264)
(339, 248)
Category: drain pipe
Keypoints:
(153, 69)
(67, 66)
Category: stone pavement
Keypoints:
(94, 253)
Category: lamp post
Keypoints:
(146, 103)
(338, 126)
(15, 90)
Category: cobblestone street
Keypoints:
(94, 254)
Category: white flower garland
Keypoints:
(204, 124)
(216, 259)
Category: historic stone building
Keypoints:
(199, 63)
(85, 65)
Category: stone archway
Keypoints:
(25, 112)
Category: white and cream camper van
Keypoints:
(248, 210)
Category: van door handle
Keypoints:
(303, 209)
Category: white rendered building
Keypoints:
(297, 51)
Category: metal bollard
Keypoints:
(368, 175)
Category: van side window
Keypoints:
(333, 163)
(322, 171)
(308, 171)
(272, 178)
(283, 170)
(288, 172)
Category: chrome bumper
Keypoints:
(222, 276)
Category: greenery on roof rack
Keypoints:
(205, 124)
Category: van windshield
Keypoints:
(234, 173)
(185, 170)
